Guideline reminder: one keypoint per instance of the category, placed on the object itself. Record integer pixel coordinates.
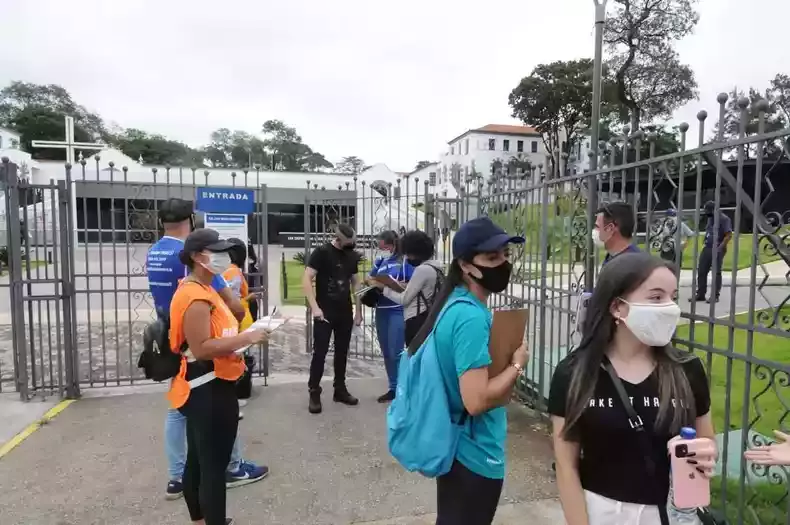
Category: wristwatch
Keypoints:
(518, 367)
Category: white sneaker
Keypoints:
(242, 402)
(241, 415)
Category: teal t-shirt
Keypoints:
(462, 344)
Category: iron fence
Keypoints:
(77, 287)
(743, 338)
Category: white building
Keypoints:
(9, 147)
(475, 150)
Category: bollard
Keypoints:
(285, 278)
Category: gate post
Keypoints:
(263, 239)
(430, 216)
(15, 278)
(71, 356)
(308, 316)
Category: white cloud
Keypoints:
(389, 83)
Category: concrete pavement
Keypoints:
(101, 462)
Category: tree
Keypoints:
(287, 151)
(422, 164)
(556, 99)
(780, 91)
(649, 79)
(350, 165)
(236, 149)
(36, 112)
(774, 119)
(156, 149)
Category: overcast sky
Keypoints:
(387, 81)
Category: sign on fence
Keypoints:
(238, 201)
(229, 226)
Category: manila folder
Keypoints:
(508, 330)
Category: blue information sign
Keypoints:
(225, 200)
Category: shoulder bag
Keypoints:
(705, 515)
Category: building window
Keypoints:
(491, 144)
(396, 192)
(505, 145)
(452, 150)
(432, 178)
(466, 147)
(520, 146)
(534, 146)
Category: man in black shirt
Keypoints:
(334, 267)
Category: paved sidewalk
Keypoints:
(101, 462)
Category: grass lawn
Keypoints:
(745, 253)
(291, 289)
(766, 407)
(30, 264)
(767, 502)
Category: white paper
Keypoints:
(264, 323)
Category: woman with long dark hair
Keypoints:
(469, 493)
(602, 456)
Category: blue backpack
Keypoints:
(421, 434)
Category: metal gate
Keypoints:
(376, 207)
(744, 339)
(78, 268)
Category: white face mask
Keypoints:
(653, 324)
(596, 238)
(217, 262)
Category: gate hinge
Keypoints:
(63, 197)
(68, 288)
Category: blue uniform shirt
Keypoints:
(725, 227)
(462, 337)
(165, 270)
(631, 249)
(396, 267)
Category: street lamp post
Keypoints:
(592, 181)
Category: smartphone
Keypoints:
(690, 489)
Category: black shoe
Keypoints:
(228, 521)
(314, 406)
(342, 396)
(713, 299)
(696, 298)
(386, 398)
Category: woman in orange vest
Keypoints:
(234, 276)
(206, 334)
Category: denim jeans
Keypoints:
(176, 445)
(390, 330)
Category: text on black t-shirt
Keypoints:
(612, 461)
(334, 270)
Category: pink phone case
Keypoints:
(690, 488)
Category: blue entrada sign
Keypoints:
(225, 200)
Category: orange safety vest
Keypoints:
(235, 279)
(223, 324)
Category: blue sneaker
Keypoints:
(246, 473)
(175, 489)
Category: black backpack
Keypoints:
(437, 286)
(158, 362)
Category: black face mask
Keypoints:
(708, 214)
(349, 247)
(494, 279)
(414, 262)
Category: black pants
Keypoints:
(465, 498)
(341, 326)
(413, 325)
(212, 413)
(703, 270)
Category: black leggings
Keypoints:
(413, 325)
(212, 413)
(466, 498)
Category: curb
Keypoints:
(49, 416)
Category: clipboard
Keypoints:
(508, 331)
(389, 282)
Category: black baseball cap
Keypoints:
(175, 210)
(204, 239)
(481, 235)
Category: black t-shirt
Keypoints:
(334, 269)
(612, 463)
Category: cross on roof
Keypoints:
(68, 144)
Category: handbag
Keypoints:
(706, 515)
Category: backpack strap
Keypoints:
(437, 285)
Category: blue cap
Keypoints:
(481, 235)
(688, 433)
(671, 212)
